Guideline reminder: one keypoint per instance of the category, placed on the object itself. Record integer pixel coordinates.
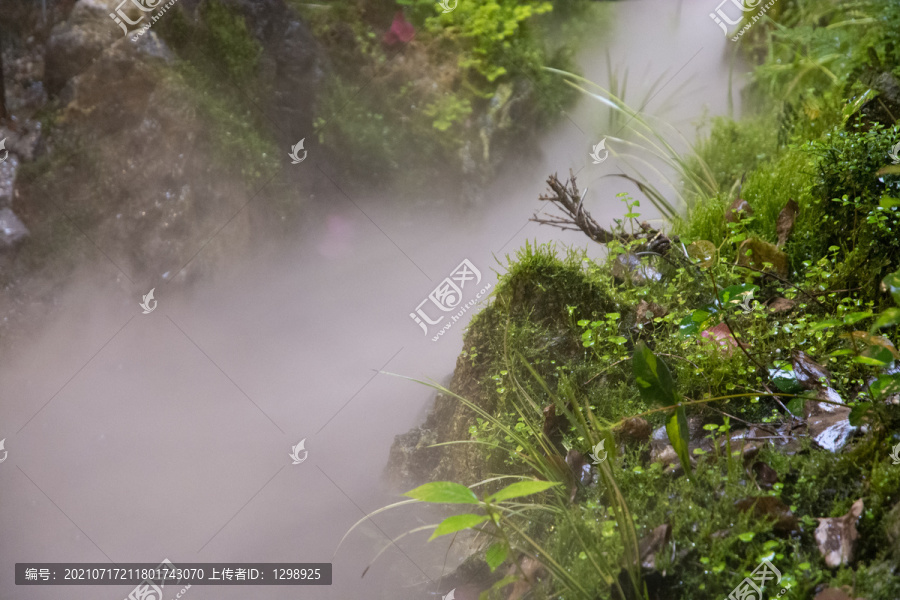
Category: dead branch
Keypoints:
(570, 200)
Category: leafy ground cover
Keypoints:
(669, 420)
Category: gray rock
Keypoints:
(76, 43)
(12, 230)
(8, 170)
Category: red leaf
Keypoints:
(401, 30)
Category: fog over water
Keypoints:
(135, 437)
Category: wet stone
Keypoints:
(12, 230)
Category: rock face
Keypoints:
(77, 42)
(292, 65)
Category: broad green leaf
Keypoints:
(444, 492)
(855, 317)
(858, 412)
(784, 379)
(891, 284)
(677, 429)
(653, 377)
(519, 489)
(888, 202)
(457, 523)
(703, 251)
(496, 554)
(797, 406)
(888, 318)
(826, 324)
(886, 385)
(876, 347)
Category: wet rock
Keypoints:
(8, 170)
(836, 536)
(74, 44)
(755, 253)
(581, 473)
(21, 142)
(629, 267)
(738, 208)
(810, 374)
(785, 223)
(772, 508)
(411, 460)
(12, 230)
(766, 476)
(828, 424)
(892, 530)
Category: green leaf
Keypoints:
(496, 554)
(886, 385)
(797, 406)
(734, 294)
(653, 377)
(891, 284)
(784, 379)
(888, 318)
(519, 489)
(888, 202)
(858, 412)
(457, 523)
(677, 429)
(854, 317)
(445, 492)
(826, 324)
(703, 251)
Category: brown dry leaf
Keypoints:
(733, 215)
(836, 536)
(722, 336)
(755, 253)
(702, 251)
(582, 472)
(635, 430)
(867, 339)
(647, 311)
(653, 543)
(779, 305)
(552, 427)
(785, 222)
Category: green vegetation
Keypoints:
(468, 83)
(571, 352)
